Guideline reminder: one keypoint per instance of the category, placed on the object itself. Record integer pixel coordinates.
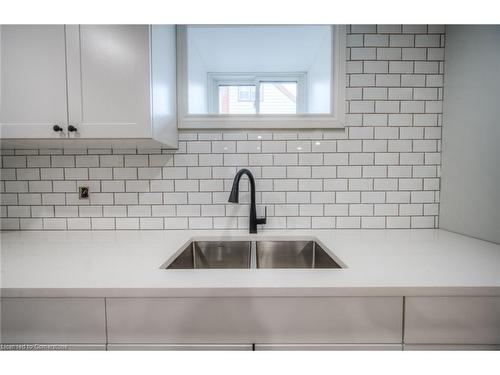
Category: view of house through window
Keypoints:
(263, 97)
(278, 97)
(237, 100)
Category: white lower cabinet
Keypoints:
(323, 347)
(452, 321)
(52, 347)
(251, 323)
(262, 320)
(180, 347)
(450, 347)
(71, 323)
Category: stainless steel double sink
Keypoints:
(245, 254)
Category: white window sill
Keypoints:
(306, 121)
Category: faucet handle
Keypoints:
(263, 220)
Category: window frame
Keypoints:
(215, 80)
(333, 120)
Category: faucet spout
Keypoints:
(234, 198)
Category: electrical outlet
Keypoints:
(83, 192)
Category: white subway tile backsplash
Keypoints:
(260, 159)
(53, 199)
(198, 147)
(402, 40)
(298, 197)
(200, 223)
(127, 223)
(90, 211)
(348, 197)
(136, 160)
(336, 210)
(51, 173)
(239, 160)
(389, 29)
(414, 54)
(389, 53)
(348, 222)
(40, 186)
(98, 223)
(381, 171)
(337, 184)
(363, 53)
(150, 223)
(385, 209)
(349, 171)
(79, 224)
(54, 224)
(95, 198)
(31, 224)
(28, 174)
(38, 161)
(394, 222)
(373, 93)
(175, 223)
(136, 185)
(114, 211)
(414, 29)
(63, 161)
(66, 211)
(429, 40)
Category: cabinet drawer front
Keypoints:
(255, 320)
(452, 320)
(53, 320)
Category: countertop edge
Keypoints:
(248, 292)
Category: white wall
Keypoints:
(470, 192)
(197, 80)
(319, 77)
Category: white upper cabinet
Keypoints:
(117, 84)
(32, 81)
(108, 81)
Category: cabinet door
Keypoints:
(53, 321)
(262, 320)
(452, 320)
(109, 81)
(411, 347)
(181, 347)
(32, 81)
(324, 347)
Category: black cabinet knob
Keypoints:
(71, 128)
(57, 128)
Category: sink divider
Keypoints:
(314, 255)
(253, 254)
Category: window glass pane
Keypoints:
(237, 100)
(278, 97)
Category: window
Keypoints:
(246, 93)
(261, 76)
(257, 93)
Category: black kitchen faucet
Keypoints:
(234, 198)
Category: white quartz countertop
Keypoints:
(127, 264)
